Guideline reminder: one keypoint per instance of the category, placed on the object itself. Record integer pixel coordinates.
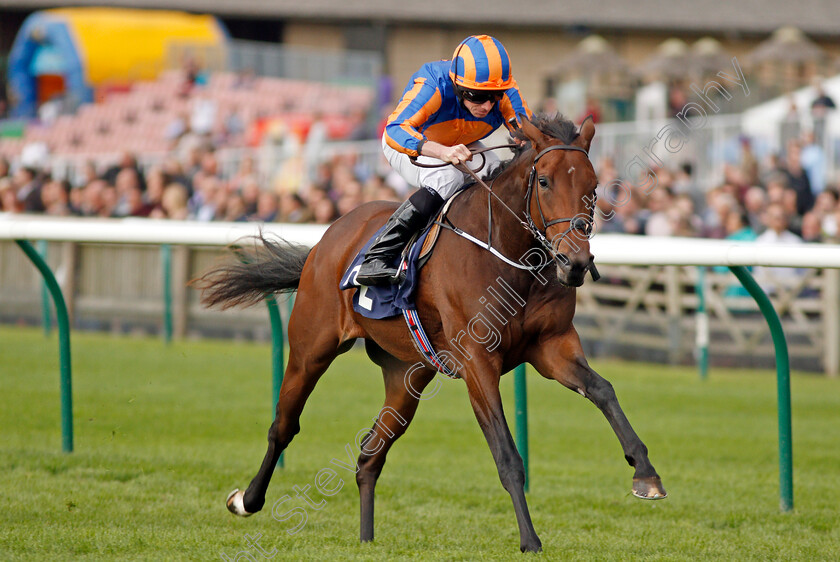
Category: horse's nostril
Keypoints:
(582, 224)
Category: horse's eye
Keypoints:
(543, 182)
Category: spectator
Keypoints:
(324, 211)
(173, 203)
(204, 204)
(684, 181)
(789, 205)
(350, 198)
(790, 123)
(812, 159)
(831, 226)
(776, 221)
(193, 77)
(660, 204)
(677, 98)
(293, 208)
(592, 109)
(134, 204)
(820, 107)
(798, 179)
(246, 171)
(28, 187)
(313, 148)
(267, 208)
(5, 169)
(177, 127)
(749, 163)
(235, 209)
(8, 197)
(825, 208)
(720, 204)
(250, 194)
(737, 229)
(684, 220)
(108, 200)
(87, 174)
(126, 183)
(155, 183)
(55, 198)
(811, 229)
(127, 161)
(632, 215)
(755, 202)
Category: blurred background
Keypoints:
(272, 111)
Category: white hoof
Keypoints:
(235, 504)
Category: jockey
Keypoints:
(447, 107)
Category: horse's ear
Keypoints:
(537, 138)
(585, 133)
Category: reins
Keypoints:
(576, 222)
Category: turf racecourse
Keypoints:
(164, 433)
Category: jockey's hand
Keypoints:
(458, 154)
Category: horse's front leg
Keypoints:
(483, 388)
(561, 358)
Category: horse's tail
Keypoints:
(268, 266)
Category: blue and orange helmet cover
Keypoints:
(480, 62)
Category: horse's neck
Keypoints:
(508, 234)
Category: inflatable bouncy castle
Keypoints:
(72, 52)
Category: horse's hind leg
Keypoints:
(561, 358)
(404, 384)
(306, 365)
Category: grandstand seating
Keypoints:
(136, 120)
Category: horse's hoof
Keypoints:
(533, 546)
(649, 488)
(235, 503)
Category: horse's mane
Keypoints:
(553, 125)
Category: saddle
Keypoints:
(384, 301)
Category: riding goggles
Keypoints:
(480, 96)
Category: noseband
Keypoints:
(575, 223)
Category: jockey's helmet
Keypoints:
(480, 62)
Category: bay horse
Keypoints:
(531, 320)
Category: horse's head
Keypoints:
(561, 193)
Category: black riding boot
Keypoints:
(412, 215)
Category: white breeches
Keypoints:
(445, 180)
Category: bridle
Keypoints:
(576, 222)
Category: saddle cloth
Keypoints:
(384, 301)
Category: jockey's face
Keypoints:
(479, 110)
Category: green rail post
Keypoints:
(46, 317)
(520, 391)
(782, 384)
(276, 357)
(166, 266)
(702, 340)
(66, 381)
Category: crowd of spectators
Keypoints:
(782, 199)
(194, 189)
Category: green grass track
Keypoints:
(163, 433)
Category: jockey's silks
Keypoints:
(430, 110)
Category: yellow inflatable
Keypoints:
(90, 47)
